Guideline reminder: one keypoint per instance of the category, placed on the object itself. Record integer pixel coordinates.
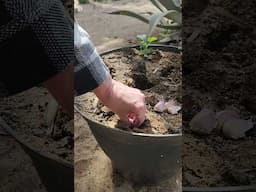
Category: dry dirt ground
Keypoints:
(93, 169)
(16, 170)
(111, 31)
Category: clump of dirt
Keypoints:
(26, 114)
(219, 71)
(158, 78)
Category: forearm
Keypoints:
(91, 74)
(61, 88)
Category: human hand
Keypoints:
(122, 100)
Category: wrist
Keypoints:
(104, 90)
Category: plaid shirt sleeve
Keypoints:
(90, 70)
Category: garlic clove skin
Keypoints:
(226, 115)
(236, 128)
(172, 107)
(204, 122)
(160, 106)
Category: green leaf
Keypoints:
(178, 3)
(131, 14)
(176, 16)
(152, 39)
(157, 17)
(144, 19)
(159, 5)
(171, 4)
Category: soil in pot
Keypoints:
(217, 73)
(158, 77)
(26, 114)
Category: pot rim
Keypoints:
(127, 132)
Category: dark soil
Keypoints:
(26, 112)
(159, 76)
(219, 70)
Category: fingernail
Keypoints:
(131, 118)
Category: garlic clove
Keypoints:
(236, 128)
(226, 115)
(160, 106)
(204, 122)
(172, 107)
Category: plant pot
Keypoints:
(144, 159)
(55, 174)
(140, 158)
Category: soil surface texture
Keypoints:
(26, 114)
(219, 71)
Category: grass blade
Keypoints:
(144, 19)
(131, 14)
(157, 17)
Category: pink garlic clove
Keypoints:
(172, 107)
(160, 106)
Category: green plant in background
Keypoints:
(169, 18)
(90, 1)
(144, 42)
(84, 1)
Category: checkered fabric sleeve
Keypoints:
(90, 70)
(36, 42)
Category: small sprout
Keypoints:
(145, 42)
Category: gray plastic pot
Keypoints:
(55, 174)
(140, 158)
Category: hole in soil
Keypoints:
(218, 40)
(139, 75)
(141, 81)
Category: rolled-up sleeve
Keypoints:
(90, 70)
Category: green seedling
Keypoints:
(145, 42)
